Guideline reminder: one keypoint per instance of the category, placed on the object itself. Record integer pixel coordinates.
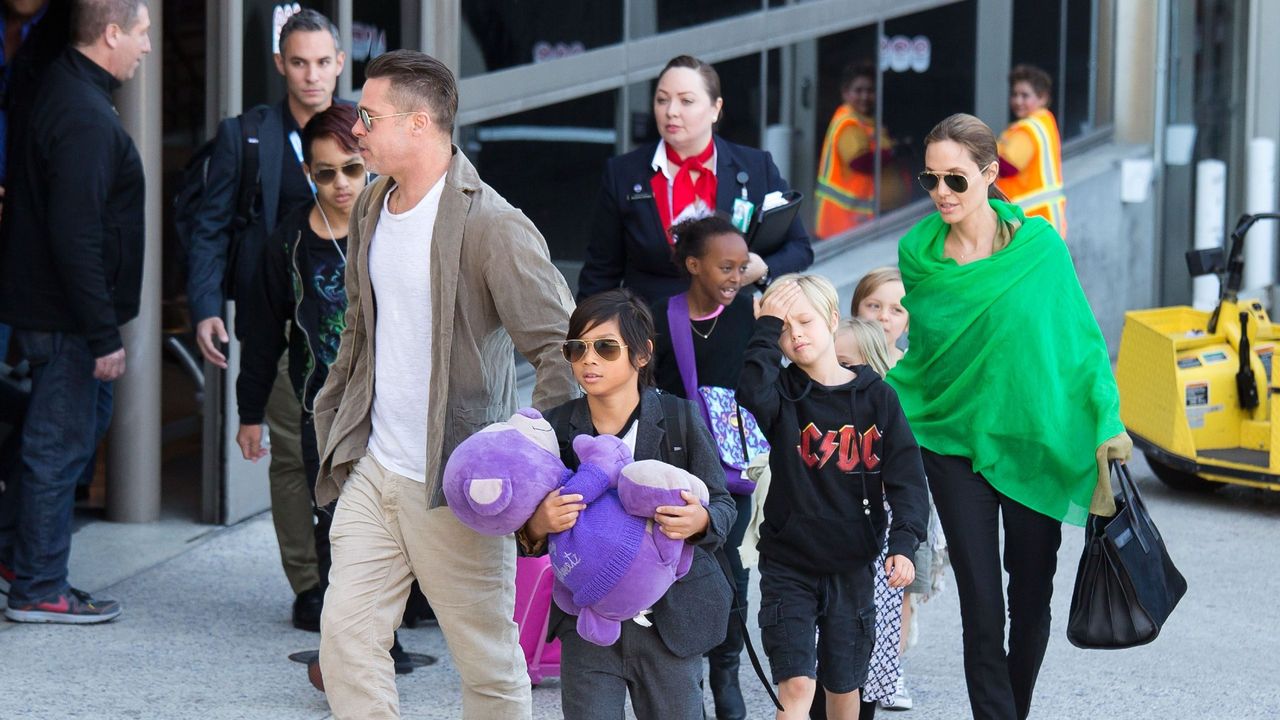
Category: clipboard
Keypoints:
(769, 228)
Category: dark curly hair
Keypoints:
(691, 237)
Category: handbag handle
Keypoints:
(1133, 499)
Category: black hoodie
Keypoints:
(833, 450)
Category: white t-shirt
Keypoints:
(400, 270)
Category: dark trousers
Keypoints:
(595, 681)
(971, 510)
(324, 516)
(68, 415)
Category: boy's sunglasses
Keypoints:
(608, 349)
(929, 181)
(328, 175)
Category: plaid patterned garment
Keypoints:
(885, 667)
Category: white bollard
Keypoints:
(1260, 243)
(1211, 209)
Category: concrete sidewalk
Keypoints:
(205, 632)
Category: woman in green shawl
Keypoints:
(1008, 388)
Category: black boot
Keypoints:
(724, 660)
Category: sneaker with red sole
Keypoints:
(74, 607)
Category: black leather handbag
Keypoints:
(1126, 585)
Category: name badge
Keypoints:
(743, 209)
(640, 196)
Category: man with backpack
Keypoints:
(252, 179)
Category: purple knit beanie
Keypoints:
(593, 555)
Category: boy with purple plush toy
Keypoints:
(657, 655)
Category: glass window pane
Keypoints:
(658, 16)
(498, 34)
(925, 83)
(376, 27)
(548, 162)
(1037, 38)
(1074, 113)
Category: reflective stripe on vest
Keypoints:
(845, 197)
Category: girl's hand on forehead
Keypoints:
(778, 303)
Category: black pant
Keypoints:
(324, 516)
(970, 509)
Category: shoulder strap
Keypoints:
(739, 615)
(250, 179)
(673, 429)
(681, 330)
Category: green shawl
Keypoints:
(1007, 366)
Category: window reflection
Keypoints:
(548, 163)
(499, 34)
(924, 83)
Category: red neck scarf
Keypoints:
(684, 189)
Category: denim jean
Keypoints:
(5, 333)
(68, 415)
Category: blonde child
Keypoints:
(823, 516)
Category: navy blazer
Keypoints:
(692, 617)
(628, 245)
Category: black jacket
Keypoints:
(834, 448)
(628, 245)
(209, 258)
(691, 618)
(72, 240)
(299, 278)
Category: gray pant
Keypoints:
(594, 680)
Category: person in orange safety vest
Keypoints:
(846, 174)
(1031, 149)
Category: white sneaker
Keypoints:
(900, 700)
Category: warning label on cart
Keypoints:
(1198, 404)
(1197, 394)
(1265, 353)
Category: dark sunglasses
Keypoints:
(608, 349)
(929, 181)
(328, 175)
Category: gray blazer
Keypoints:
(692, 617)
(493, 288)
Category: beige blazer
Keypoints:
(493, 288)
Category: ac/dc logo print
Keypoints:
(847, 445)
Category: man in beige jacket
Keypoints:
(443, 276)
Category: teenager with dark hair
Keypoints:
(659, 661)
(714, 321)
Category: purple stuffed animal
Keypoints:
(496, 478)
(615, 562)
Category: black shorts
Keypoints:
(840, 608)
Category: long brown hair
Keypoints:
(976, 138)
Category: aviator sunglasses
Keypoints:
(609, 349)
(328, 175)
(929, 181)
(368, 119)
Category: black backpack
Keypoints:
(195, 177)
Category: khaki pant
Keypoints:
(383, 536)
(291, 503)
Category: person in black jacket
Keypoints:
(71, 250)
(823, 518)
(300, 279)
(659, 661)
(688, 173)
(225, 250)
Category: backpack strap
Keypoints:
(250, 175)
(673, 425)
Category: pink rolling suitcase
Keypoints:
(533, 614)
